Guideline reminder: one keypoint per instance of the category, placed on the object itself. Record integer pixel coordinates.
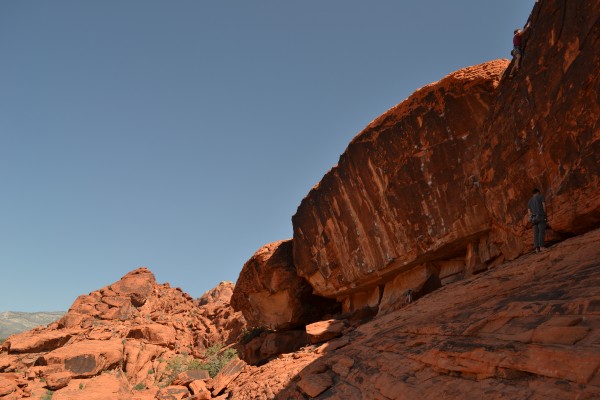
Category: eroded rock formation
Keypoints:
(438, 185)
(271, 294)
(527, 329)
(137, 330)
(411, 231)
(402, 195)
(544, 130)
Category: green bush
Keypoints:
(214, 361)
(139, 386)
(48, 395)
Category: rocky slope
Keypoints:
(528, 329)
(15, 322)
(117, 341)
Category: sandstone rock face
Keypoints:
(439, 184)
(102, 387)
(525, 330)
(136, 329)
(270, 293)
(403, 192)
(543, 130)
(86, 358)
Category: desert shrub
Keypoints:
(175, 366)
(139, 386)
(214, 360)
(48, 395)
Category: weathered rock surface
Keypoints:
(140, 331)
(527, 329)
(411, 233)
(269, 344)
(402, 193)
(270, 293)
(544, 130)
(438, 185)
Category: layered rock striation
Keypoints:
(403, 193)
(436, 188)
(528, 329)
(543, 130)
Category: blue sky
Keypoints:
(182, 135)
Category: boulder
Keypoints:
(173, 392)
(323, 331)
(38, 340)
(270, 293)
(219, 294)
(58, 380)
(157, 334)
(199, 390)
(86, 358)
(137, 285)
(404, 191)
(189, 376)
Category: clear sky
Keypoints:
(182, 135)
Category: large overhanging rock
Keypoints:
(270, 293)
(544, 129)
(403, 193)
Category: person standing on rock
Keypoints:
(517, 51)
(536, 208)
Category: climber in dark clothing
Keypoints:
(536, 208)
(517, 51)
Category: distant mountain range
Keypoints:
(14, 322)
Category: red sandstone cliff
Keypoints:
(434, 192)
(437, 187)
(402, 194)
(430, 194)
(544, 130)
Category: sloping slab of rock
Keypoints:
(526, 329)
(157, 334)
(226, 375)
(87, 358)
(325, 330)
(404, 191)
(103, 387)
(34, 341)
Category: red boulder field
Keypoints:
(410, 273)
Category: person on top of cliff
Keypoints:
(517, 51)
(536, 208)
